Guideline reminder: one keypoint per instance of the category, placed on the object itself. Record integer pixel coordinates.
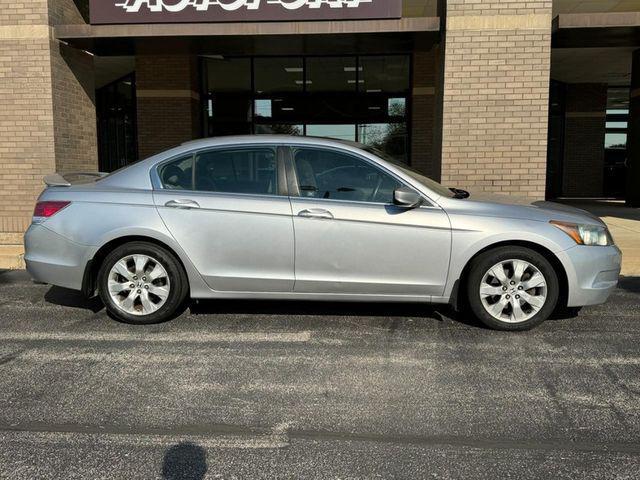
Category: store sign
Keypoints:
(187, 11)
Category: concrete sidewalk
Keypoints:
(623, 222)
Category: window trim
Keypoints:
(294, 189)
(281, 174)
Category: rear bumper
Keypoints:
(54, 259)
(592, 273)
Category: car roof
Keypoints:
(240, 139)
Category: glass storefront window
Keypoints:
(228, 74)
(355, 98)
(616, 141)
(263, 108)
(332, 74)
(339, 132)
(384, 74)
(278, 74)
(279, 129)
(397, 107)
(390, 138)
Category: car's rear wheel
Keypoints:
(142, 283)
(512, 288)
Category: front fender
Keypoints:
(473, 235)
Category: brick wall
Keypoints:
(75, 134)
(47, 120)
(168, 101)
(424, 156)
(26, 123)
(585, 127)
(496, 89)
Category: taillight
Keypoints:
(48, 209)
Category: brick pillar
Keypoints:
(585, 128)
(46, 113)
(74, 109)
(423, 154)
(496, 94)
(168, 101)
(633, 138)
(73, 94)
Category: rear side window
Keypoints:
(243, 170)
(178, 174)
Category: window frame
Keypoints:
(294, 189)
(281, 172)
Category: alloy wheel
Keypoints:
(138, 284)
(513, 291)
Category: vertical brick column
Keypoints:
(47, 119)
(168, 101)
(73, 79)
(585, 128)
(633, 138)
(496, 93)
(424, 157)
(26, 118)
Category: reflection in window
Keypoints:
(279, 129)
(617, 118)
(397, 107)
(616, 141)
(249, 171)
(390, 138)
(177, 175)
(331, 74)
(355, 98)
(337, 176)
(384, 74)
(263, 108)
(228, 74)
(278, 74)
(339, 132)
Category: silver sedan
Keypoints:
(294, 218)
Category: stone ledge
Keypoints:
(11, 257)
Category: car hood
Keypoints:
(508, 206)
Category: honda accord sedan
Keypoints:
(295, 218)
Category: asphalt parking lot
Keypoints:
(307, 390)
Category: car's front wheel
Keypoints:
(142, 283)
(512, 288)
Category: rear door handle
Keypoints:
(185, 204)
(316, 213)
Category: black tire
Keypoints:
(179, 283)
(486, 261)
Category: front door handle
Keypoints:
(184, 204)
(316, 213)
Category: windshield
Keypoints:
(419, 177)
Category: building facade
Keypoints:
(536, 98)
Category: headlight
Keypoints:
(592, 235)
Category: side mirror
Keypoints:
(406, 198)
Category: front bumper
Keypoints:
(592, 273)
(54, 259)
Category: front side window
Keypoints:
(332, 175)
(246, 170)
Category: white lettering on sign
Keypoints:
(134, 6)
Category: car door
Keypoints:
(228, 209)
(351, 239)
